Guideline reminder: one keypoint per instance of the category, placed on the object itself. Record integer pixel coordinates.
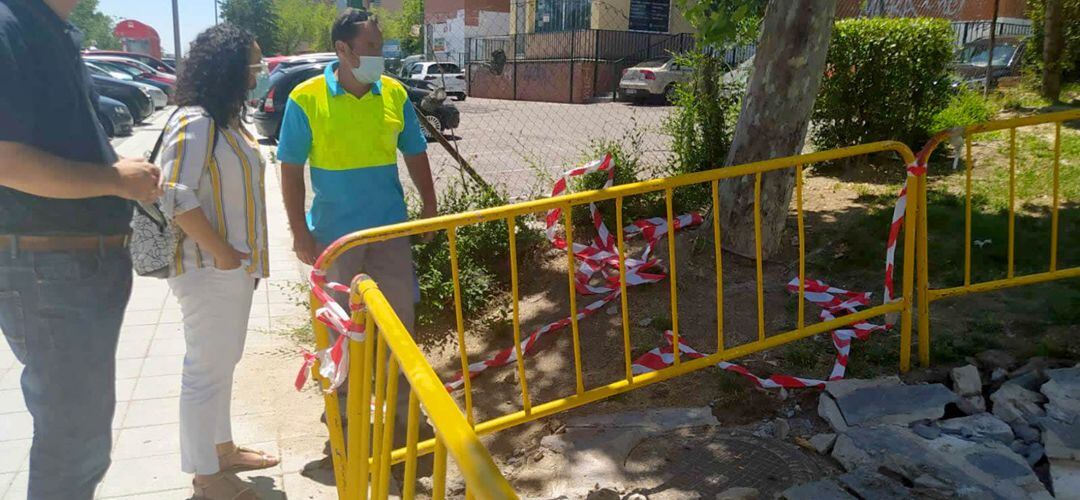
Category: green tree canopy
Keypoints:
(96, 26)
(304, 24)
(259, 17)
(399, 25)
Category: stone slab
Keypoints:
(843, 387)
(826, 489)
(901, 405)
(966, 380)
(1062, 392)
(1013, 403)
(828, 410)
(823, 443)
(868, 484)
(1065, 476)
(978, 470)
(978, 427)
(1061, 440)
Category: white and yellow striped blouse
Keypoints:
(227, 184)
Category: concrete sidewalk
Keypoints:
(268, 413)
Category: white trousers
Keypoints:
(216, 305)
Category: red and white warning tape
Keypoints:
(835, 302)
(598, 263)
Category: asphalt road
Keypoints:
(518, 144)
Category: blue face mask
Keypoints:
(369, 70)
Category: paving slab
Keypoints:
(987, 469)
(1062, 392)
(825, 489)
(979, 427)
(900, 404)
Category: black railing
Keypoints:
(967, 31)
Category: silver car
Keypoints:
(652, 78)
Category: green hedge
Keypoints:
(884, 79)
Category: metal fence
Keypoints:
(967, 31)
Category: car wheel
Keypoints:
(669, 93)
(107, 125)
(461, 97)
(435, 123)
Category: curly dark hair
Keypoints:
(214, 74)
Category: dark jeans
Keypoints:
(61, 313)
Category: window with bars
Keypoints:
(562, 15)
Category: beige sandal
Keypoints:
(229, 461)
(224, 486)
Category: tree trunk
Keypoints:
(1053, 41)
(775, 114)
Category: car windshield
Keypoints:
(978, 55)
(138, 65)
(443, 68)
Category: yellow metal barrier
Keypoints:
(362, 466)
(928, 295)
(581, 395)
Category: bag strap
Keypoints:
(152, 157)
(153, 210)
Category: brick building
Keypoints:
(448, 23)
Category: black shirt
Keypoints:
(46, 102)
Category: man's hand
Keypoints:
(137, 180)
(428, 211)
(304, 246)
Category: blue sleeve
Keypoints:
(294, 141)
(411, 140)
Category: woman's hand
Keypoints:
(231, 259)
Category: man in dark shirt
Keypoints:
(65, 273)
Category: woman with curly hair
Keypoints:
(212, 176)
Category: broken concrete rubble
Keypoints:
(899, 404)
(868, 483)
(966, 380)
(1013, 403)
(843, 387)
(823, 443)
(1060, 439)
(1065, 475)
(1063, 394)
(817, 490)
(979, 427)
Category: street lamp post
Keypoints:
(176, 33)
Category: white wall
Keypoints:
(453, 32)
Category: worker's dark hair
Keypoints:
(214, 75)
(348, 24)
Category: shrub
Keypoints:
(483, 255)
(967, 107)
(702, 124)
(630, 167)
(1070, 55)
(884, 79)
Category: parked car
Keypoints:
(407, 64)
(441, 74)
(142, 69)
(134, 96)
(156, 94)
(156, 64)
(271, 107)
(286, 62)
(114, 117)
(974, 56)
(137, 75)
(651, 79)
